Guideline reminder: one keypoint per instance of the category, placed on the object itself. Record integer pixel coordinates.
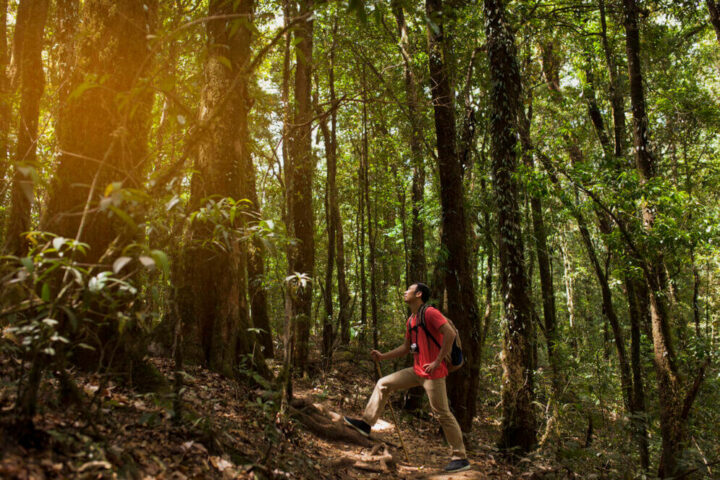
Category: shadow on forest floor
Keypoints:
(233, 431)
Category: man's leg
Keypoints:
(400, 380)
(439, 403)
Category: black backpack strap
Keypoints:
(421, 322)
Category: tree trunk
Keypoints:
(256, 268)
(343, 292)
(714, 17)
(519, 427)
(5, 104)
(543, 257)
(213, 294)
(29, 34)
(300, 177)
(418, 266)
(101, 140)
(462, 307)
(616, 95)
(675, 401)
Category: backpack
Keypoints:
(453, 360)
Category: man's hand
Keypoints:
(430, 367)
(377, 356)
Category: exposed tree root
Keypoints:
(325, 424)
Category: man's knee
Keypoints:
(384, 384)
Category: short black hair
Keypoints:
(424, 290)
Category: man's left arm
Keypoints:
(448, 339)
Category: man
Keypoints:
(428, 370)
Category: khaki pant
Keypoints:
(406, 379)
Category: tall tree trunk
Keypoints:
(288, 328)
(543, 256)
(5, 110)
(519, 427)
(256, 268)
(300, 177)
(418, 265)
(371, 216)
(29, 33)
(343, 292)
(714, 17)
(329, 137)
(101, 140)
(462, 306)
(616, 95)
(675, 399)
(213, 293)
(635, 402)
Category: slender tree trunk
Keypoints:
(214, 290)
(418, 267)
(360, 222)
(5, 110)
(543, 257)
(29, 33)
(371, 217)
(288, 329)
(637, 402)
(519, 428)
(488, 279)
(101, 140)
(302, 259)
(256, 269)
(462, 306)
(714, 17)
(343, 292)
(617, 100)
(675, 399)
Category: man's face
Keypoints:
(411, 293)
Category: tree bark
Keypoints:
(417, 271)
(29, 33)
(300, 177)
(462, 306)
(5, 104)
(714, 17)
(101, 140)
(519, 429)
(256, 268)
(213, 293)
(543, 257)
(675, 401)
(617, 100)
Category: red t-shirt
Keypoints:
(428, 350)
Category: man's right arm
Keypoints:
(400, 351)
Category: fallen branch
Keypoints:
(374, 462)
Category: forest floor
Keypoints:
(234, 431)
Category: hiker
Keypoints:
(428, 370)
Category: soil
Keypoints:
(231, 430)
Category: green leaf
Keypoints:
(28, 264)
(161, 259)
(45, 294)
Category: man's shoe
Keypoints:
(359, 425)
(457, 466)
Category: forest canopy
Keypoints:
(248, 186)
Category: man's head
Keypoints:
(417, 292)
